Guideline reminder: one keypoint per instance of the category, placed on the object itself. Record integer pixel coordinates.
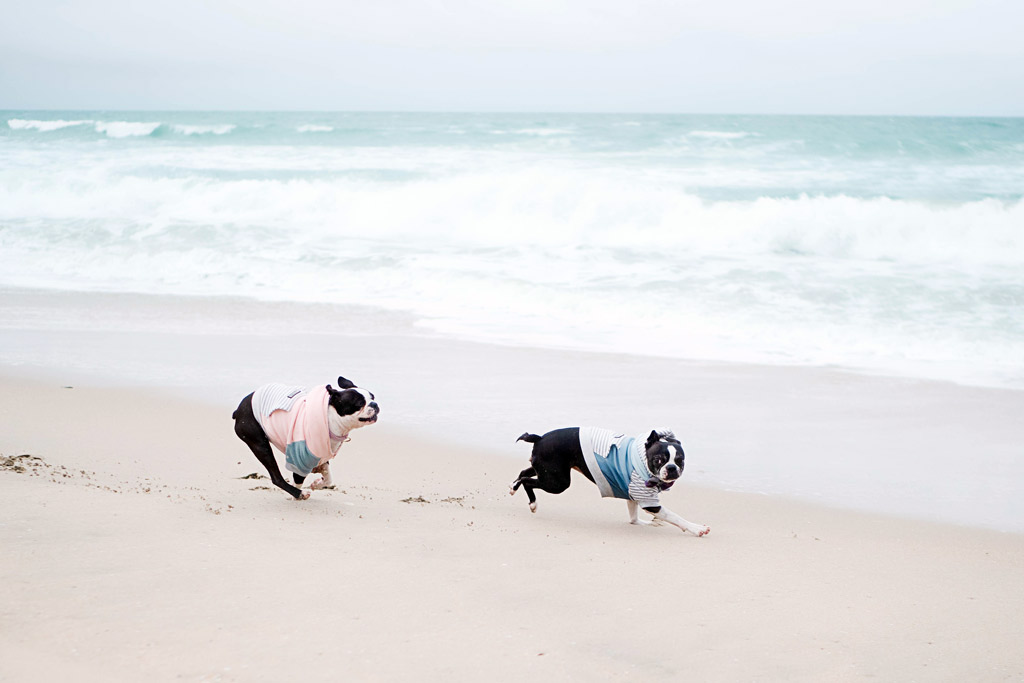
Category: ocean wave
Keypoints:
(126, 129)
(214, 129)
(121, 129)
(314, 128)
(718, 134)
(552, 208)
(44, 126)
(542, 132)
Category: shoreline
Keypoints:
(255, 316)
(149, 556)
(913, 448)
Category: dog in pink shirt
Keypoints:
(307, 425)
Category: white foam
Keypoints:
(718, 134)
(314, 128)
(126, 129)
(216, 129)
(43, 126)
(534, 207)
(542, 132)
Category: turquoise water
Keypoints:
(890, 245)
(947, 159)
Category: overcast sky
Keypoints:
(935, 57)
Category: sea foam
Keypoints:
(43, 126)
(547, 208)
(126, 129)
(221, 129)
(718, 134)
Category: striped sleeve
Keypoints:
(647, 497)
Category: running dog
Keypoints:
(307, 425)
(633, 469)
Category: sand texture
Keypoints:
(134, 548)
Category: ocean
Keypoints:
(890, 246)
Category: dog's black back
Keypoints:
(555, 455)
(557, 451)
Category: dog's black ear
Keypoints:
(653, 438)
(345, 383)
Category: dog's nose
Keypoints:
(671, 470)
(376, 408)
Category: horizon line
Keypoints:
(548, 112)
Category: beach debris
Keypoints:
(253, 475)
(417, 499)
(458, 500)
(20, 463)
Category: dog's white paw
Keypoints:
(640, 522)
(303, 495)
(533, 507)
(699, 530)
(317, 482)
(512, 489)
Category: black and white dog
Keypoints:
(307, 425)
(622, 467)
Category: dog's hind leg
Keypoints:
(248, 429)
(528, 487)
(545, 481)
(514, 486)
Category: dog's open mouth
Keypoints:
(368, 420)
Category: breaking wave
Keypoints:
(43, 126)
(222, 129)
(543, 208)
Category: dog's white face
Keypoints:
(352, 407)
(673, 466)
(665, 457)
(366, 415)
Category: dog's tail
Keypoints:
(528, 437)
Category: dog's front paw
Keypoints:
(640, 522)
(699, 530)
(317, 482)
(303, 495)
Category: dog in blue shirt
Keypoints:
(634, 469)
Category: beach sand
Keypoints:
(135, 549)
